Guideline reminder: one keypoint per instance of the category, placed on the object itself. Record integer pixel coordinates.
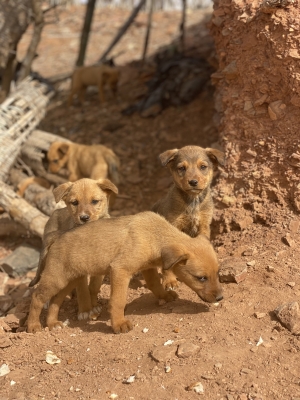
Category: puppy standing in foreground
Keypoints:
(94, 75)
(86, 200)
(125, 245)
(188, 204)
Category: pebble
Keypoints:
(131, 379)
(233, 270)
(51, 358)
(196, 387)
(291, 284)
(251, 263)
(259, 315)
(145, 330)
(163, 353)
(186, 350)
(270, 268)
(4, 370)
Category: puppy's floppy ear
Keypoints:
(216, 156)
(172, 255)
(62, 190)
(167, 156)
(106, 184)
(63, 147)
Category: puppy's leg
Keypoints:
(55, 303)
(119, 284)
(83, 299)
(94, 287)
(169, 280)
(100, 170)
(81, 94)
(45, 291)
(152, 279)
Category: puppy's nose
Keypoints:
(219, 298)
(193, 182)
(84, 218)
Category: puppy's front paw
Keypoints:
(170, 285)
(83, 315)
(55, 325)
(93, 315)
(33, 328)
(123, 327)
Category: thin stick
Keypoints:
(147, 37)
(122, 30)
(182, 25)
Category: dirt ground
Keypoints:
(236, 349)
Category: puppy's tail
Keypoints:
(113, 163)
(49, 240)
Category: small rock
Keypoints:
(4, 370)
(291, 284)
(233, 270)
(287, 239)
(167, 369)
(186, 350)
(51, 358)
(4, 341)
(218, 366)
(168, 342)
(196, 387)
(145, 330)
(15, 320)
(259, 315)
(113, 396)
(228, 200)
(270, 268)
(230, 397)
(276, 110)
(289, 316)
(242, 396)
(163, 353)
(129, 380)
(251, 263)
(231, 71)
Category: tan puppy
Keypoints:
(86, 201)
(188, 204)
(82, 161)
(94, 75)
(125, 245)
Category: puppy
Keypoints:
(188, 204)
(86, 200)
(83, 161)
(94, 75)
(125, 245)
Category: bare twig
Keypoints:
(148, 31)
(182, 25)
(123, 29)
(90, 7)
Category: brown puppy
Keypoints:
(188, 204)
(86, 201)
(82, 161)
(125, 245)
(94, 75)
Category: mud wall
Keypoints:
(258, 106)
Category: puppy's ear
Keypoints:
(167, 156)
(63, 148)
(106, 184)
(172, 255)
(62, 190)
(216, 156)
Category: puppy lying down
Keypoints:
(124, 245)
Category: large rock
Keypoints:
(289, 316)
(24, 258)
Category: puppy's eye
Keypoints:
(201, 278)
(203, 167)
(74, 203)
(181, 169)
(54, 161)
(95, 201)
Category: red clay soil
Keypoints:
(236, 349)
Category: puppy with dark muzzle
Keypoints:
(188, 204)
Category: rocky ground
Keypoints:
(236, 349)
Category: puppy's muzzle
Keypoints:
(84, 218)
(193, 182)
